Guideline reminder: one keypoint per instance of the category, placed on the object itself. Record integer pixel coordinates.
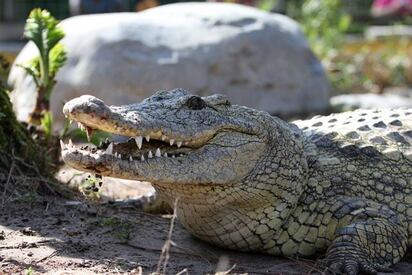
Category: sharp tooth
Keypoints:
(172, 141)
(158, 153)
(79, 125)
(139, 140)
(119, 156)
(71, 121)
(70, 142)
(109, 149)
(62, 145)
(147, 138)
(89, 133)
(165, 154)
(130, 158)
(173, 156)
(179, 144)
(181, 155)
(150, 154)
(186, 142)
(163, 138)
(115, 154)
(142, 158)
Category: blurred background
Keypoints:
(292, 58)
(364, 45)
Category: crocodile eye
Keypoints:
(195, 103)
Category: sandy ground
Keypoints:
(63, 237)
(54, 236)
(49, 235)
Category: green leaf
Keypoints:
(57, 59)
(32, 67)
(344, 23)
(47, 123)
(42, 29)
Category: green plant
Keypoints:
(325, 23)
(122, 228)
(90, 187)
(266, 5)
(29, 197)
(42, 29)
(4, 70)
(29, 271)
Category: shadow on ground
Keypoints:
(60, 237)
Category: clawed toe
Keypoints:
(352, 267)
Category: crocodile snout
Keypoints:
(86, 104)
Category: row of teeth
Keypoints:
(150, 154)
(109, 151)
(139, 139)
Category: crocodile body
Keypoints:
(338, 184)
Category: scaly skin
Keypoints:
(252, 182)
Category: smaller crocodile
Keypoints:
(245, 180)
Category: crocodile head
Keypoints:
(185, 144)
(172, 137)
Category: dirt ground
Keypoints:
(56, 236)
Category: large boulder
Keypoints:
(258, 59)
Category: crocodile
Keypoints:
(337, 185)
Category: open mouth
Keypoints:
(139, 148)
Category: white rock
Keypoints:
(258, 59)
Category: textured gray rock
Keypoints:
(258, 59)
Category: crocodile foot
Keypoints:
(346, 258)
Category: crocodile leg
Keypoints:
(375, 239)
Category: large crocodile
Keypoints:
(248, 181)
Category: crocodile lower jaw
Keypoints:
(108, 150)
(134, 149)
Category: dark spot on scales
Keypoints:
(397, 137)
(408, 134)
(378, 140)
(352, 134)
(370, 152)
(350, 150)
(379, 124)
(396, 123)
(364, 128)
